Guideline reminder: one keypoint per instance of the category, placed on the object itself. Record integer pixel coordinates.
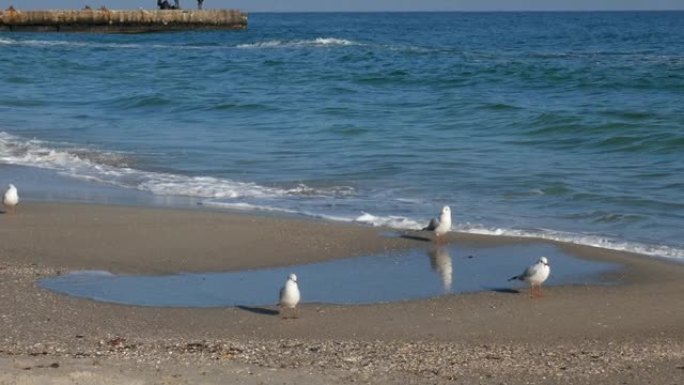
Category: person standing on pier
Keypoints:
(164, 4)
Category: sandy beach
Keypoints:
(631, 332)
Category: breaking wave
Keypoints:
(593, 240)
(115, 169)
(318, 42)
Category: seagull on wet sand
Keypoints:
(441, 225)
(535, 275)
(11, 198)
(289, 297)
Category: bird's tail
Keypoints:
(519, 278)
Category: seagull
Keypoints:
(289, 296)
(535, 275)
(11, 198)
(441, 225)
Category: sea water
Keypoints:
(566, 126)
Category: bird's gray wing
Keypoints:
(532, 270)
(434, 222)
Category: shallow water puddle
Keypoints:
(412, 274)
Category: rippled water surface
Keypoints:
(561, 125)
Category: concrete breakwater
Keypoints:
(121, 21)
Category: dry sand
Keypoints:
(631, 333)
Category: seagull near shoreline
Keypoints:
(441, 225)
(535, 275)
(289, 297)
(11, 198)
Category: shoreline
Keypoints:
(584, 334)
(67, 217)
(72, 190)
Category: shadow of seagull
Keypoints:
(503, 290)
(258, 310)
(415, 237)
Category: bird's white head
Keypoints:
(293, 278)
(544, 261)
(11, 187)
(446, 210)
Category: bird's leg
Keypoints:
(535, 291)
(296, 313)
(282, 308)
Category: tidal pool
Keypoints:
(405, 275)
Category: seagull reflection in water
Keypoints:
(440, 262)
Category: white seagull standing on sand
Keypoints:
(11, 198)
(441, 225)
(535, 275)
(289, 296)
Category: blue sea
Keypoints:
(565, 126)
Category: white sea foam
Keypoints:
(395, 222)
(112, 168)
(44, 43)
(90, 273)
(242, 206)
(593, 240)
(34, 153)
(318, 42)
(88, 44)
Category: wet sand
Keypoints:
(632, 332)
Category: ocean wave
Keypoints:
(99, 45)
(242, 206)
(395, 222)
(140, 101)
(50, 43)
(593, 240)
(34, 153)
(114, 169)
(318, 42)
